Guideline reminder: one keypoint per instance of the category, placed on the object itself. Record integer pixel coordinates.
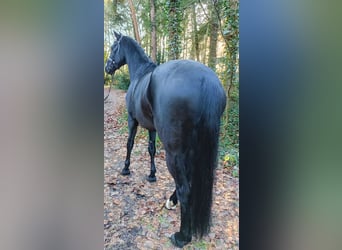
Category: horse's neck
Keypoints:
(138, 65)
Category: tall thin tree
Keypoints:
(153, 31)
(195, 42)
(174, 20)
(135, 22)
(213, 31)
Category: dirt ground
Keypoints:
(134, 213)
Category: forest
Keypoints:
(202, 30)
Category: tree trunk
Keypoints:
(213, 30)
(204, 49)
(195, 43)
(185, 43)
(163, 47)
(174, 27)
(134, 20)
(153, 32)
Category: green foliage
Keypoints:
(160, 58)
(229, 138)
(200, 244)
(121, 79)
(232, 128)
(229, 141)
(107, 79)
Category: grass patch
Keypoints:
(199, 244)
(162, 219)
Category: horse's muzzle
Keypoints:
(110, 66)
(109, 70)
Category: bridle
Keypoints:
(112, 61)
(115, 65)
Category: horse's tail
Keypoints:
(204, 161)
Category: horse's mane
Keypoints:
(131, 42)
(133, 45)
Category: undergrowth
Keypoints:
(229, 141)
(120, 80)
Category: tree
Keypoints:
(153, 31)
(230, 34)
(195, 42)
(213, 31)
(175, 17)
(134, 20)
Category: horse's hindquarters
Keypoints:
(188, 101)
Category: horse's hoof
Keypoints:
(125, 172)
(151, 179)
(170, 205)
(175, 239)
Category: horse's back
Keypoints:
(184, 73)
(185, 82)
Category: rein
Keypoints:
(110, 87)
(116, 67)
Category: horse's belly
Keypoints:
(146, 123)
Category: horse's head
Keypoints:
(116, 58)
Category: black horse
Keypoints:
(183, 101)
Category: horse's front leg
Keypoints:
(152, 151)
(132, 126)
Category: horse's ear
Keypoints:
(117, 35)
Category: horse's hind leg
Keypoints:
(177, 168)
(152, 151)
(132, 126)
(172, 201)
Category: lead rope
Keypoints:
(110, 87)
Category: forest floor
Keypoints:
(134, 212)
